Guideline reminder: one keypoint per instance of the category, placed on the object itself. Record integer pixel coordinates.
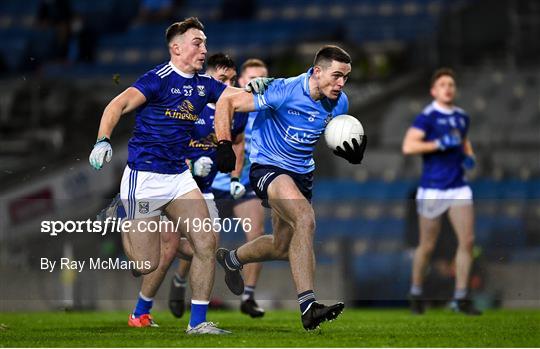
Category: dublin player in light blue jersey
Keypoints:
(283, 140)
(156, 181)
(235, 190)
(439, 134)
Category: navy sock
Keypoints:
(232, 261)
(249, 293)
(144, 304)
(198, 312)
(305, 299)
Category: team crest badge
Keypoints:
(200, 90)
(144, 207)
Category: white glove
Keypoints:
(258, 85)
(237, 189)
(202, 166)
(102, 151)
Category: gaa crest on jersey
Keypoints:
(200, 90)
(144, 207)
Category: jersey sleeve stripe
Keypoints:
(165, 73)
(262, 101)
(167, 66)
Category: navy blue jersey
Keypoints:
(442, 169)
(204, 141)
(285, 135)
(163, 124)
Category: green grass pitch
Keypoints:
(354, 328)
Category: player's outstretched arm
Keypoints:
(227, 104)
(414, 143)
(231, 101)
(124, 103)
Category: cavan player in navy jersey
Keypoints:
(439, 134)
(201, 156)
(297, 111)
(168, 100)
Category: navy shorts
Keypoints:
(261, 176)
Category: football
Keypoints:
(343, 128)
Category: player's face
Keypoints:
(252, 73)
(225, 75)
(192, 49)
(444, 90)
(332, 78)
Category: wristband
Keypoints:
(103, 139)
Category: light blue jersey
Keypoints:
(223, 180)
(286, 135)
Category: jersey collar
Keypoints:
(441, 109)
(305, 85)
(179, 72)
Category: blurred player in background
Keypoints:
(439, 134)
(157, 180)
(201, 156)
(246, 204)
(294, 113)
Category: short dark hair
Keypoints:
(180, 28)
(220, 60)
(330, 53)
(252, 62)
(444, 71)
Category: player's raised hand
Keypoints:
(225, 157)
(102, 152)
(237, 189)
(258, 85)
(449, 140)
(354, 154)
(202, 166)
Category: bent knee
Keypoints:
(146, 266)
(466, 243)
(281, 249)
(204, 246)
(305, 223)
(426, 248)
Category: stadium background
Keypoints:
(62, 61)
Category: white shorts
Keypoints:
(211, 204)
(145, 194)
(432, 203)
